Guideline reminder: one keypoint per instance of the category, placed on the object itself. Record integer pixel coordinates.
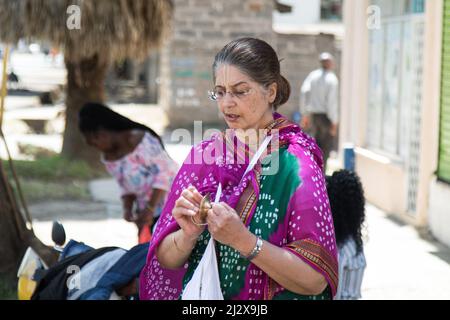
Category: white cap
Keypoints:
(325, 56)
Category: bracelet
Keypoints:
(256, 250)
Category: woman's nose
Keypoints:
(228, 100)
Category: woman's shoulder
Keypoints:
(305, 149)
(147, 137)
(309, 164)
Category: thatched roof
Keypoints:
(116, 28)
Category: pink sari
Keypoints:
(297, 218)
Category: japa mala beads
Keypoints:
(202, 213)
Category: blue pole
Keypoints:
(296, 117)
(349, 157)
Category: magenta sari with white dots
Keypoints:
(289, 209)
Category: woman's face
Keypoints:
(248, 107)
(101, 140)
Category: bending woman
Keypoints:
(134, 155)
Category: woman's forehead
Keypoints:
(229, 76)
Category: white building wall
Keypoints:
(439, 211)
(433, 195)
(385, 181)
(304, 12)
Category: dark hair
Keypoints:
(346, 196)
(95, 116)
(259, 61)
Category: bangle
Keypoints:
(176, 245)
(256, 250)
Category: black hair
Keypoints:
(347, 202)
(95, 116)
(259, 61)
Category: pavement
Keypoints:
(402, 265)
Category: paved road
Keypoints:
(402, 265)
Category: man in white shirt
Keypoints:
(319, 104)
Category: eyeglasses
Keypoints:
(219, 94)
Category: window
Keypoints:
(395, 73)
(395, 87)
(331, 10)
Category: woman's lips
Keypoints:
(231, 117)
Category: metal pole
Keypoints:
(3, 93)
(4, 87)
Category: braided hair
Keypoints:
(96, 116)
(347, 202)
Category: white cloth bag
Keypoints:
(205, 282)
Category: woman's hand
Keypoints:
(185, 208)
(225, 226)
(144, 218)
(127, 204)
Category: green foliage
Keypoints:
(55, 169)
(53, 178)
(37, 190)
(7, 291)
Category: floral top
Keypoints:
(147, 167)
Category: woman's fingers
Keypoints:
(192, 195)
(221, 208)
(196, 196)
(180, 211)
(226, 206)
(185, 203)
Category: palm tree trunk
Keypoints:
(16, 237)
(85, 83)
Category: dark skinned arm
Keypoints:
(146, 217)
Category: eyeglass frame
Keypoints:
(212, 95)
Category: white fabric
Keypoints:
(351, 271)
(258, 154)
(320, 94)
(205, 282)
(91, 273)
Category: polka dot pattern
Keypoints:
(300, 211)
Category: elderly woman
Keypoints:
(273, 226)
